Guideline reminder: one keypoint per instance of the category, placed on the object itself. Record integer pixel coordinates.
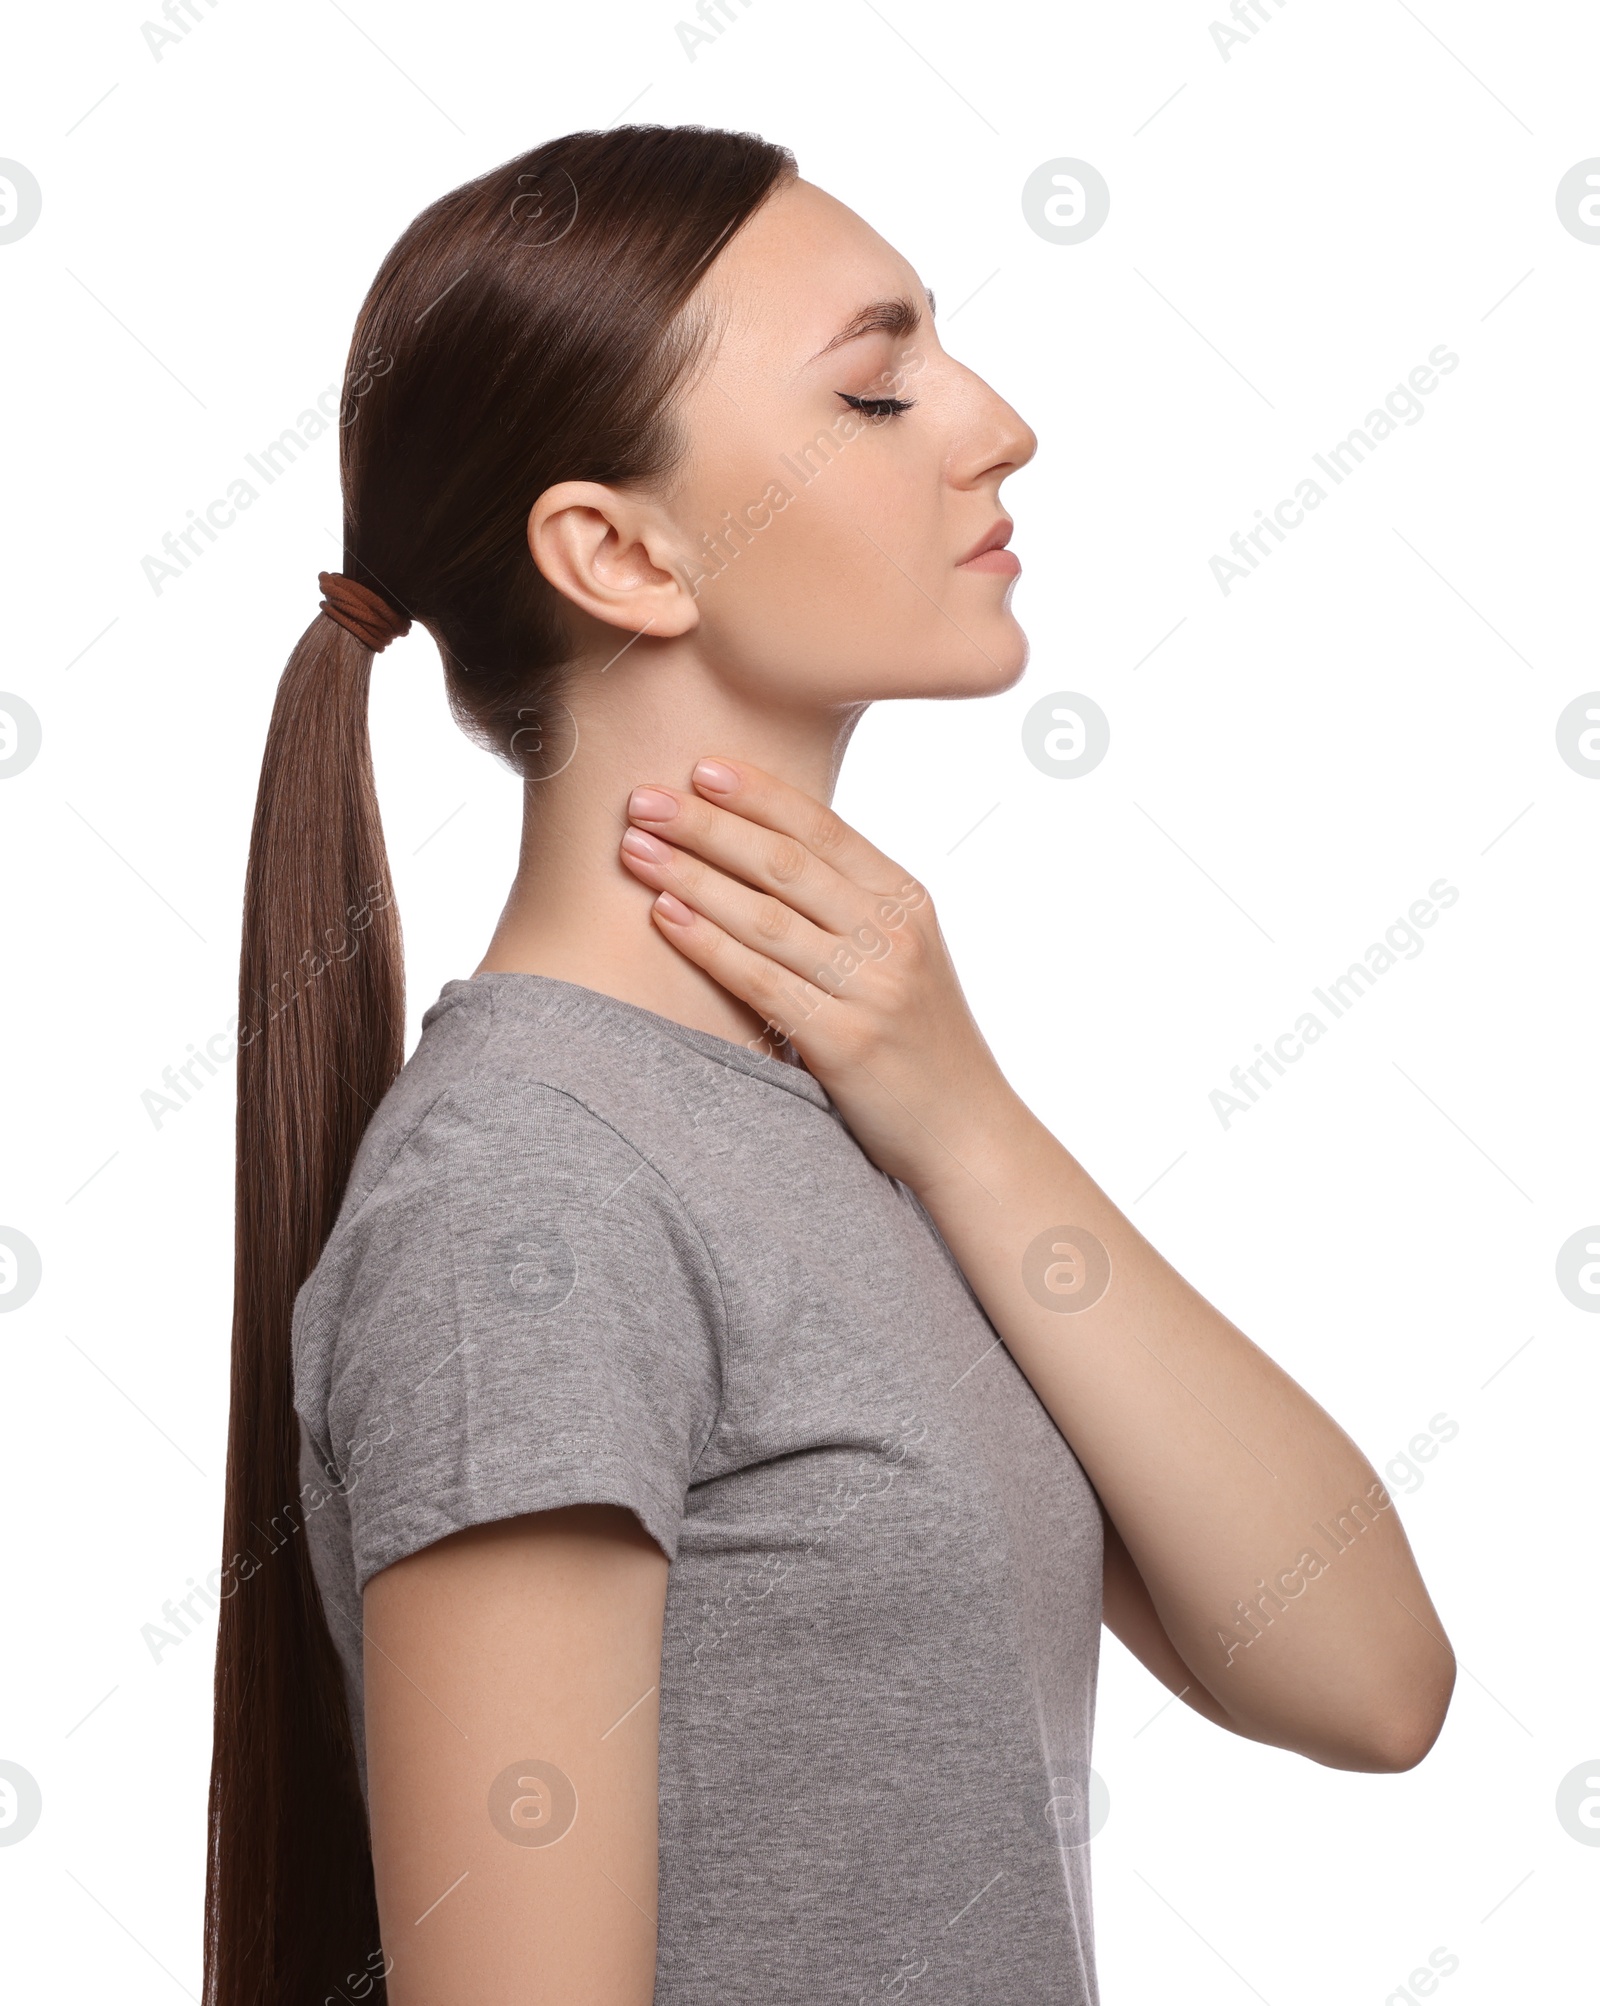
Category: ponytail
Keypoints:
(529, 327)
(290, 1908)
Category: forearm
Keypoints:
(1270, 1549)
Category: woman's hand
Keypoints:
(836, 947)
(1215, 1469)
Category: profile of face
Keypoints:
(833, 533)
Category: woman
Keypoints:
(725, 1414)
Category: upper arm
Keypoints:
(1130, 1616)
(511, 1675)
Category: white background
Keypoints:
(1291, 231)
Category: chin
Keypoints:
(996, 662)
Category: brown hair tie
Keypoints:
(361, 611)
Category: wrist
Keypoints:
(978, 1155)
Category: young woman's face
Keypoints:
(855, 529)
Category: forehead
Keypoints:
(796, 276)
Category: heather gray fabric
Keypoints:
(588, 1254)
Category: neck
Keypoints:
(573, 912)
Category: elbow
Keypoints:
(1403, 1743)
(1402, 1732)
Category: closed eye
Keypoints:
(877, 407)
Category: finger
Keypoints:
(760, 797)
(780, 998)
(762, 857)
(755, 919)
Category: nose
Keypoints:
(993, 440)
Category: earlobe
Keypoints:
(605, 552)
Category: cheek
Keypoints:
(848, 589)
(820, 574)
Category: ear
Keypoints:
(612, 554)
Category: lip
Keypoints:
(990, 553)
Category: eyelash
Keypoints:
(877, 407)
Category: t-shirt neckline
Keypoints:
(577, 997)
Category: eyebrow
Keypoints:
(900, 317)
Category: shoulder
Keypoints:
(502, 1177)
(516, 1292)
(513, 1095)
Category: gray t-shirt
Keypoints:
(588, 1254)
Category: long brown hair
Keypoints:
(529, 327)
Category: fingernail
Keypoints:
(719, 779)
(646, 848)
(673, 910)
(649, 804)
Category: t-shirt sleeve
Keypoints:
(524, 1316)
